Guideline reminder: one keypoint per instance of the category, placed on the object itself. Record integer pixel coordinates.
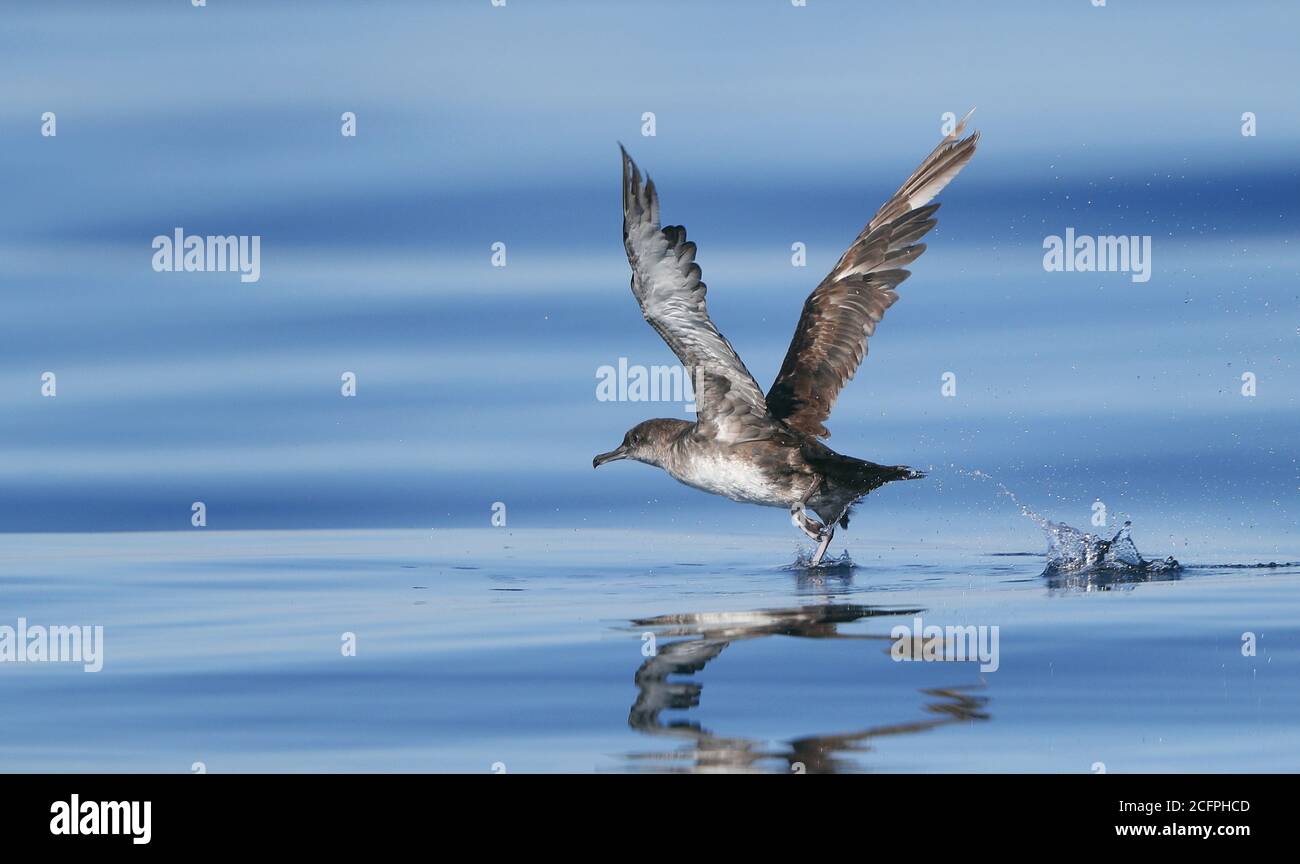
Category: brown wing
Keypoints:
(666, 282)
(842, 312)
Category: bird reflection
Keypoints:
(705, 635)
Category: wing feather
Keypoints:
(839, 316)
(667, 284)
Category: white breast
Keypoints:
(735, 478)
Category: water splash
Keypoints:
(1070, 550)
(830, 564)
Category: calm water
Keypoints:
(529, 648)
(476, 386)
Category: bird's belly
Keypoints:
(737, 479)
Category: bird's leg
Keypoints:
(804, 523)
(816, 531)
(812, 490)
(827, 533)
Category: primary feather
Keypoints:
(839, 316)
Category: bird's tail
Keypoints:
(857, 474)
(879, 475)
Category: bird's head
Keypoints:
(645, 442)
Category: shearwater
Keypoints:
(766, 449)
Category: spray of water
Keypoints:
(1070, 550)
(830, 565)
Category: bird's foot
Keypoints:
(805, 523)
(816, 531)
(827, 534)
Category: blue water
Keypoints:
(476, 385)
(525, 647)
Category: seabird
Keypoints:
(766, 449)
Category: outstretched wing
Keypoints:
(842, 312)
(666, 282)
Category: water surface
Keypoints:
(530, 650)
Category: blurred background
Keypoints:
(774, 125)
